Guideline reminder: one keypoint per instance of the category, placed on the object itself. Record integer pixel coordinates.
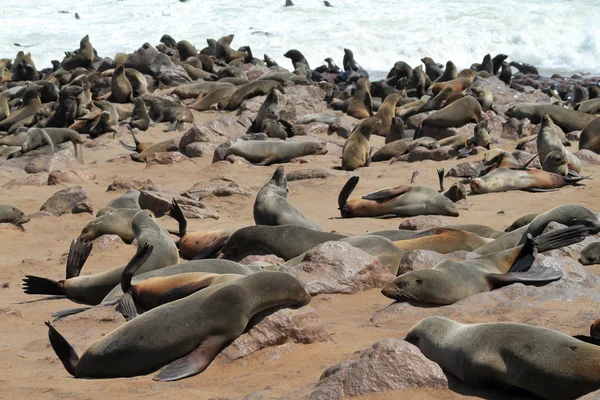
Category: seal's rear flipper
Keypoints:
(588, 339)
(347, 191)
(126, 146)
(533, 276)
(173, 127)
(127, 307)
(193, 363)
(79, 251)
(440, 173)
(63, 349)
(134, 264)
(561, 238)
(37, 285)
(69, 311)
(177, 214)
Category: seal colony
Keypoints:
(251, 113)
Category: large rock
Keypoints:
(299, 100)
(425, 222)
(199, 149)
(217, 187)
(49, 163)
(160, 204)
(29, 180)
(285, 325)
(69, 176)
(466, 169)
(504, 96)
(390, 364)
(192, 135)
(70, 200)
(339, 267)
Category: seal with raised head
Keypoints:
(450, 281)
(266, 152)
(139, 115)
(200, 326)
(385, 114)
(463, 80)
(271, 206)
(356, 152)
(121, 89)
(31, 105)
(400, 201)
(549, 143)
(130, 199)
(252, 89)
(547, 363)
(590, 254)
(83, 58)
(590, 136)
(91, 289)
(12, 215)
(117, 222)
(361, 103)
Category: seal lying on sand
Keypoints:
(12, 215)
(400, 201)
(266, 152)
(535, 180)
(550, 364)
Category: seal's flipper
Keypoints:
(211, 249)
(79, 252)
(533, 276)
(347, 191)
(368, 162)
(126, 146)
(539, 190)
(588, 339)
(193, 363)
(127, 307)
(78, 152)
(173, 127)
(561, 238)
(387, 193)
(37, 285)
(69, 311)
(524, 166)
(440, 173)
(63, 349)
(177, 214)
(182, 291)
(288, 127)
(464, 152)
(134, 264)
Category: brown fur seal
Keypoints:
(4, 109)
(145, 149)
(443, 240)
(266, 152)
(548, 142)
(211, 318)
(396, 131)
(463, 81)
(361, 104)
(285, 241)
(451, 281)
(130, 199)
(139, 115)
(400, 201)
(356, 152)
(457, 114)
(270, 102)
(590, 136)
(121, 89)
(385, 114)
(520, 222)
(590, 254)
(484, 97)
(391, 150)
(91, 289)
(165, 110)
(83, 58)
(31, 105)
(271, 206)
(186, 50)
(547, 363)
(436, 102)
(504, 179)
(450, 73)
(252, 89)
(195, 89)
(12, 215)
(589, 106)
(116, 222)
(218, 96)
(568, 120)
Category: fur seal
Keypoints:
(139, 115)
(451, 281)
(460, 83)
(437, 102)
(505, 73)
(548, 142)
(210, 324)
(443, 240)
(504, 179)
(252, 89)
(84, 57)
(568, 120)
(524, 68)
(271, 206)
(356, 152)
(361, 103)
(391, 150)
(486, 65)
(266, 152)
(219, 96)
(385, 114)
(164, 110)
(31, 105)
(332, 120)
(285, 241)
(130, 199)
(590, 136)
(400, 201)
(121, 89)
(520, 222)
(396, 131)
(275, 127)
(484, 97)
(456, 114)
(12, 215)
(432, 69)
(450, 73)
(547, 363)
(91, 289)
(590, 254)
(36, 138)
(115, 222)
(589, 106)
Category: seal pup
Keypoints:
(212, 320)
(361, 103)
(139, 116)
(271, 101)
(356, 152)
(145, 149)
(432, 69)
(450, 281)
(399, 201)
(590, 254)
(266, 152)
(547, 363)
(505, 179)
(12, 215)
(91, 289)
(34, 139)
(271, 206)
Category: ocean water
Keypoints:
(554, 35)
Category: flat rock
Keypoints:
(166, 157)
(160, 204)
(299, 100)
(588, 157)
(339, 267)
(425, 222)
(285, 325)
(217, 187)
(29, 180)
(523, 157)
(126, 184)
(510, 129)
(70, 200)
(466, 169)
(70, 176)
(390, 364)
(106, 242)
(271, 259)
(49, 163)
(312, 173)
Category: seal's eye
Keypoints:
(419, 281)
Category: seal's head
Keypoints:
(425, 286)
(556, 162)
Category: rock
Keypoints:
(268, 328)
(495, 123)
(523, 157)
(216, 188)
(10, 312)
(238, 160)
(30, 180)
(198, 149)
(299, 100)
(575, 275)
(160, 204)
(529, 147)
(106, 242)
(573, 136)
(126, 184)
(256, 71)
(390, 364)
(164, 158)
(466, 169)
(591, 396)
(588, 157)
(510, 129)
(424, 222)
(339, 267)
(192, 135)
(415, 121)
(264, 259)
(312, 173)
(70, 200)
(49, 163)
(504, 96)
(69, 176)
(414, 260)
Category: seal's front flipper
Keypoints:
(79, 251)
(127, 307)
(63, 349)
(588, 339)
(440, 173)
(193, 363)
(69, 311)
(134, 264)
(368, 162)
(539, 190)
(176, 213)
(173, 127)
(37, 285)
(347, 191)
(387, 193)
(533, 276)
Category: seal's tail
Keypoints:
(177, 214)
(38, 285)
(65, 352)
